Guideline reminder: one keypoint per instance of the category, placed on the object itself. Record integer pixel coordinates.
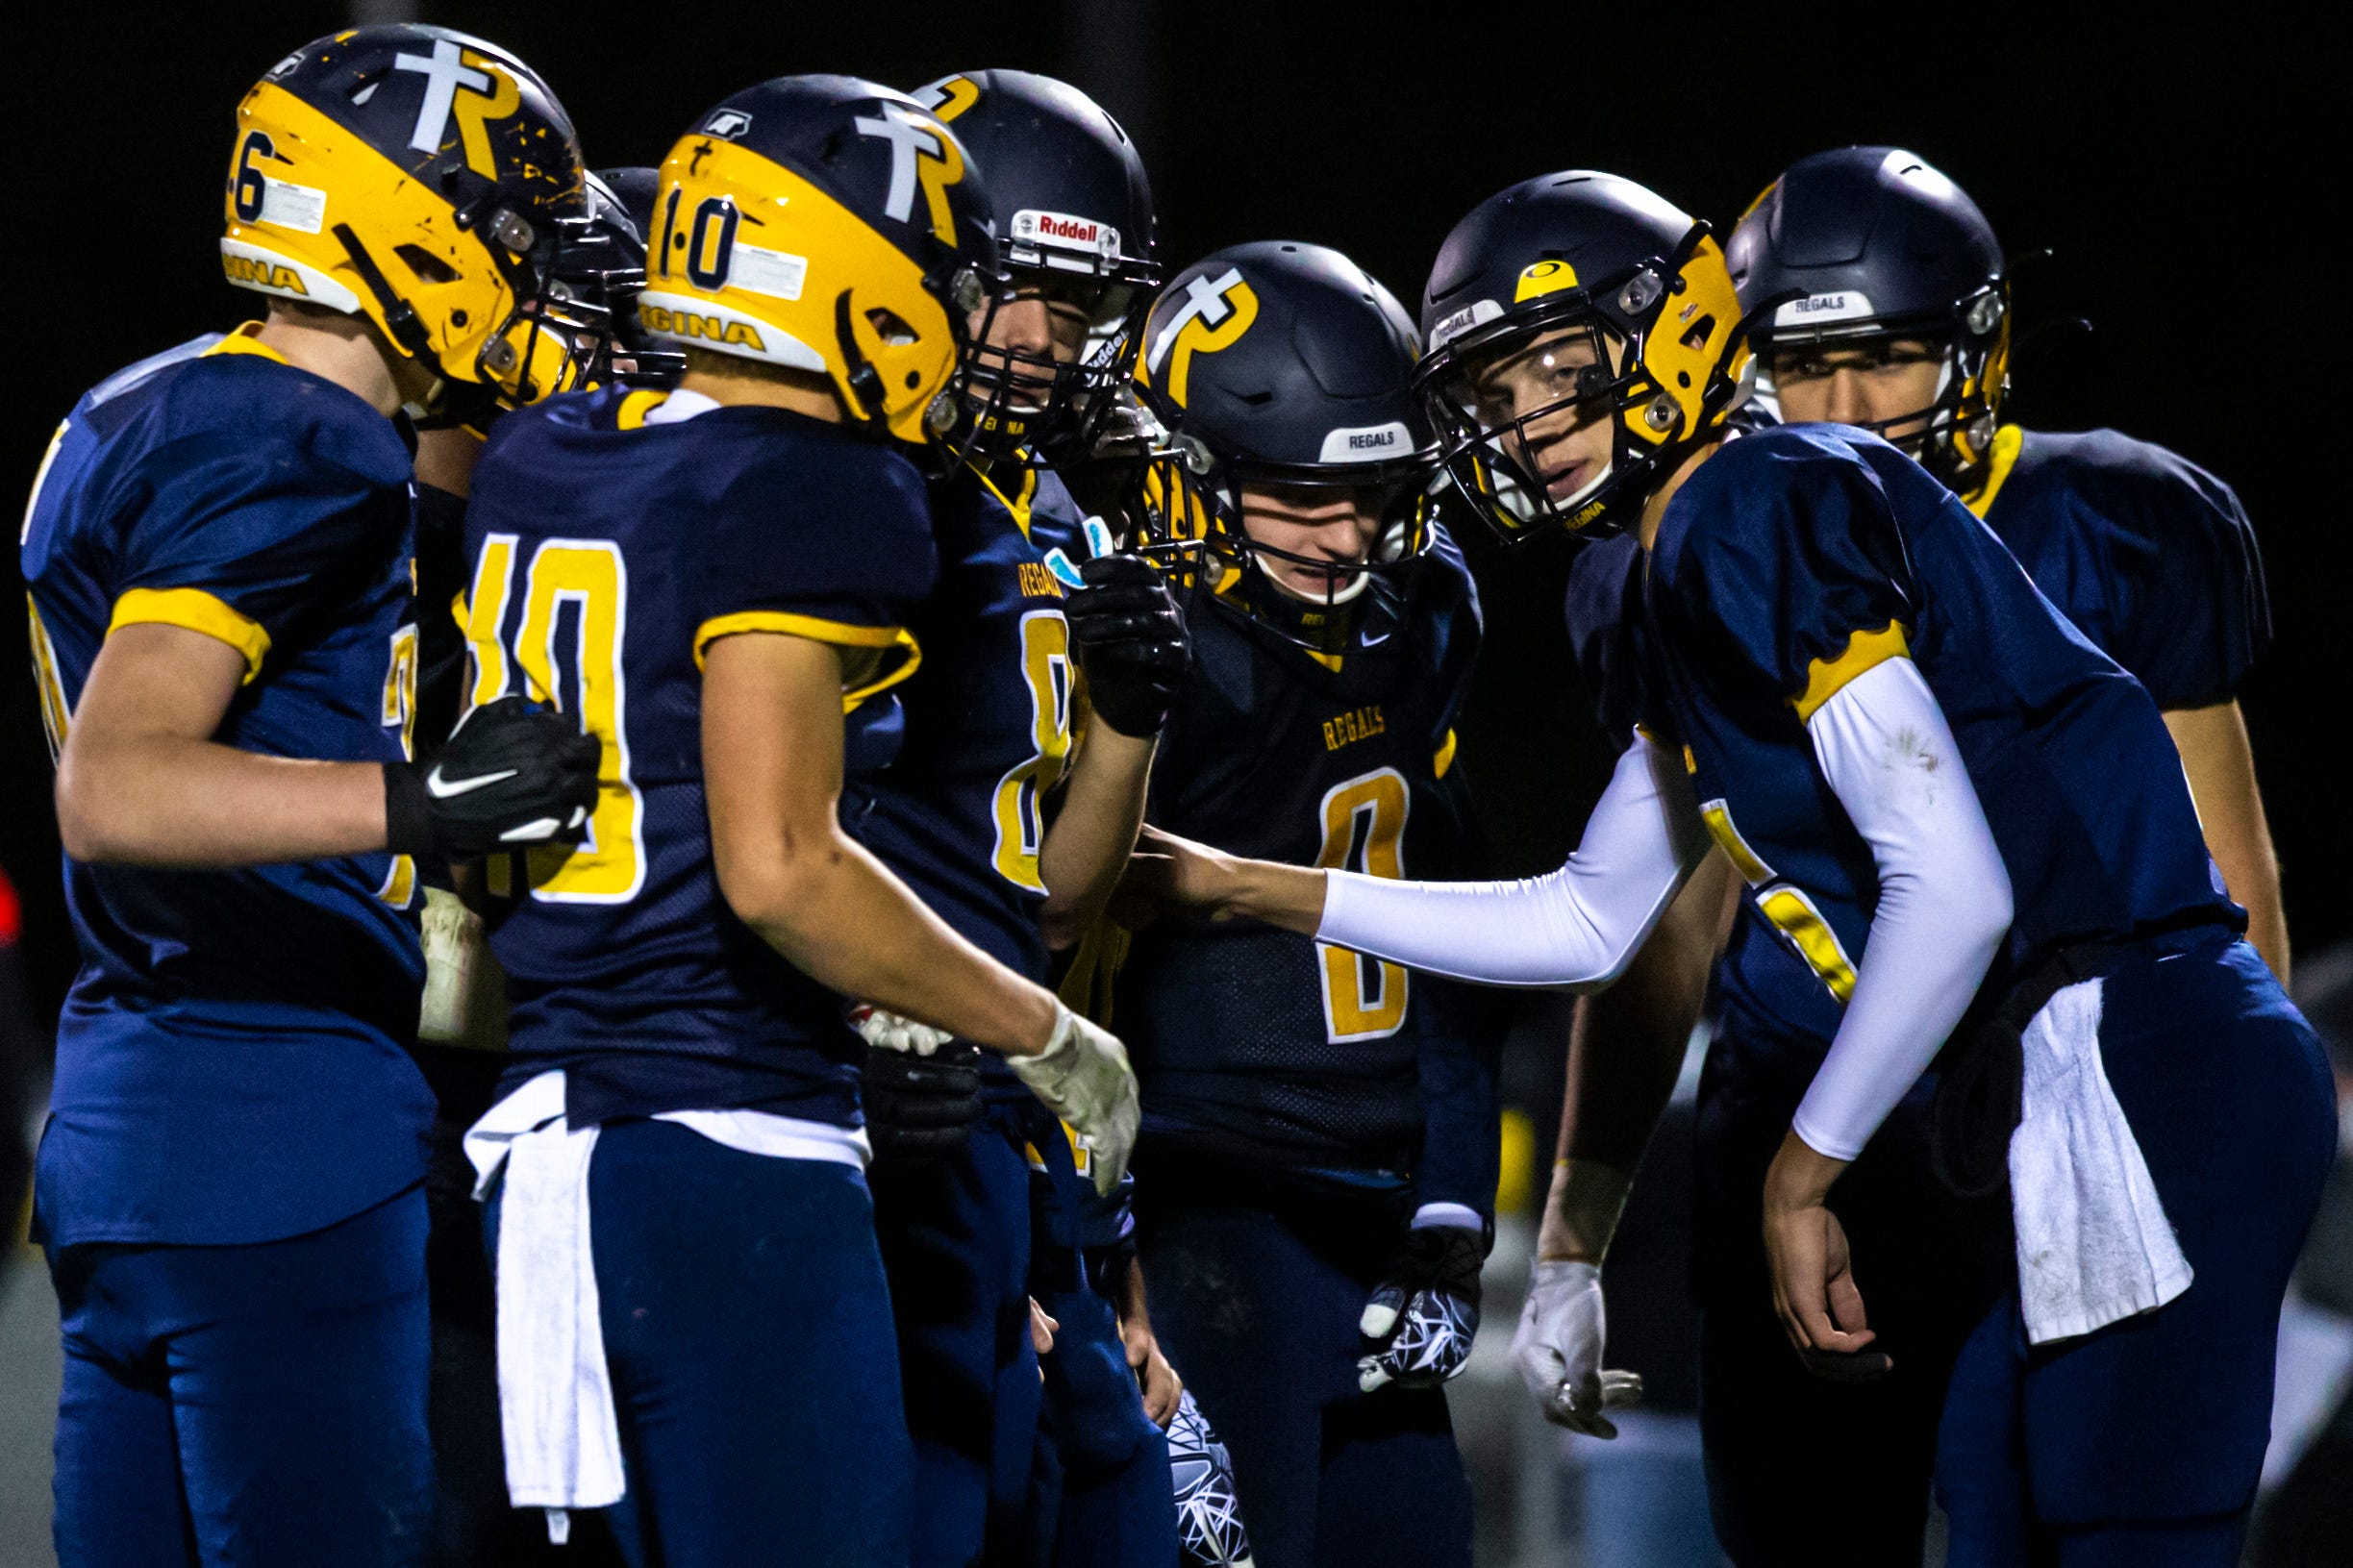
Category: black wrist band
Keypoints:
(408, 819)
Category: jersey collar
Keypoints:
(245, 340)
(1998, 462)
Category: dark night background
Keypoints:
(2169, 167)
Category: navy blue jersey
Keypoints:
(608, 554)
(1261, 1042)
(231, 1061)
(961, 813)
(2150, 556)
(1798, 557)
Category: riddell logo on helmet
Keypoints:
(1064, 231)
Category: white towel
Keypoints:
(555, 1398)
(2095, 1246)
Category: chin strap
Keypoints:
(400, 318)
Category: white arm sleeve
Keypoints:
(1945, 900)
(1574, 928)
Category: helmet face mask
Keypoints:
(1950, 433)
(1035, 406)
(1193, 516)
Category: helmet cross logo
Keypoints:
(1214, 314)
(919, 155)
(492, 94)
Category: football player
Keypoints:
(1885, 305)
(1313, 1210)
(592, 284)
(1008, 833)
(719, 581)
(231, 1184)
(1970, 821)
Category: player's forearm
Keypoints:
(171, 802)
(1626, 1047)
(840, 917)
(1085, 851)
(2221, 766)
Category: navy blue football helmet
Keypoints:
(1074, 220)
(1285, 365)
(1622, 299)
(1865, 246)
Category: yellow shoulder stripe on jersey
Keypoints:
(245, 340)
(1445, 758)
(1826, 677)
(196, 610)
(2000, 458)
(889, 673)
(631, 414)
(816, 628)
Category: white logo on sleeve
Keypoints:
(1366, 444)
(908, 140)
(444, 74)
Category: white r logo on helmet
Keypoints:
(909, 140)
(444, 74)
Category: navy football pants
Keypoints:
(747, 1328)
(1257, 1285)
(2140, 1443)
(1801, 1469)
(1118, 1500)
(955, 1235)
(247, 1405)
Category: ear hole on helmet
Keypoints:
(1697, 337)
(889, 326)
(425, 264)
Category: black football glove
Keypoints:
(1131, 641)
(921, 1107)
(511, 774)
(1419, 1320)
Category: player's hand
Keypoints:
(1083, 1076)
(1424, 1311)
(921, 1107)
(1131, 642)
(1559, 1347)
(1813, 1275)
(511, 774)
(1042, 1329)
(1168, 875)
(888, 1032)
(1161, 1386)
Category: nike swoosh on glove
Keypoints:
(1558, 1346)
(1131, 642)
(511, 775)
(1423, 1315)
(1083, 1076)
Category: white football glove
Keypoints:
(1558, 1349)
(1083, 1076)
(888, 1032)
